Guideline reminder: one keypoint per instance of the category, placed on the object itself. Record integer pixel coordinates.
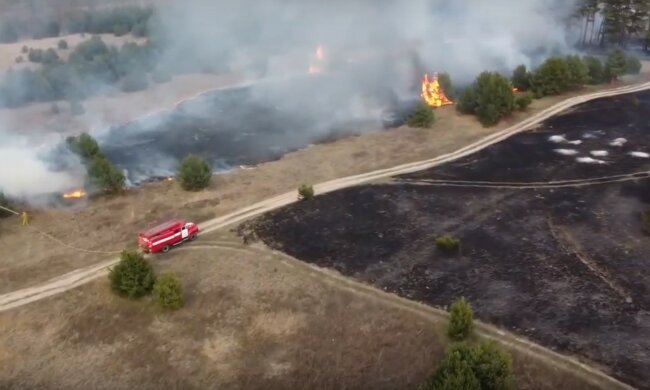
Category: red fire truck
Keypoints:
(166, 235)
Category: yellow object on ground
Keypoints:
(25, 218)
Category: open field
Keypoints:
(563, 263)
(94, 227)
(253, 319)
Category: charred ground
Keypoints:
(567, 267)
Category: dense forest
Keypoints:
(614, 22)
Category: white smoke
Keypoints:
(25, 171)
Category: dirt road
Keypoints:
(84, 275)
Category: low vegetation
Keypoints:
(194, 173)
(305, 192)
(421, 117)
(133, 277)
(481, 367)
(62, 44)
(461, 320)
(523, 101)
(167, 292)
(448, 244)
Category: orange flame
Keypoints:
(432, 93)
(515, 90)
(74, 194)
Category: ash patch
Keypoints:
(566, 267)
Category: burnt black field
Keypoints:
(252, 124)
(566, 267)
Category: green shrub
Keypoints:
(24, 50)
(62, 44)
(461, 320)
(595, 69)
(422, 117)
(49, 56)
(194, 173)
(632, 65)
(35, 55)
(523, 101)
(521, 78)
(305, 192)
(617, 63)
(84, 145)
(133, 276)
(490, 98)
(465, 365)
(578, 71)
(645, 221)
(167, 292)
(447, 243)
(102, 174)
(19, 59)
(552, 77)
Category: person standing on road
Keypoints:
(25, 218)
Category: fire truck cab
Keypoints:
(162, 237)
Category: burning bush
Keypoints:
(102, 174)
(521, 78)
(194, 173)
(167, 292)
(422, 117)
(133, 276)
(490, 98)
(305, 192)
(483, 366)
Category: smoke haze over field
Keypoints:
(380, 48)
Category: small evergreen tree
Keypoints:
(133, 276)
(305, 192)
(494, 98)
(102, 174)
(617, 63)
(62, 44)
(194, 173)
(552, 77)
(595, 70)
(578, 71)
(461, 320)
(24, 50)
(454, 373)
(422, 117)
(632, 65)
(84, 145)
(167, 292)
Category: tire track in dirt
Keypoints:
(84, 275)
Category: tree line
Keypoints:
(118, 21)
(614, 22)
(92, 66)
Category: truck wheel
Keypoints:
(193, 237)
(166, 248)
